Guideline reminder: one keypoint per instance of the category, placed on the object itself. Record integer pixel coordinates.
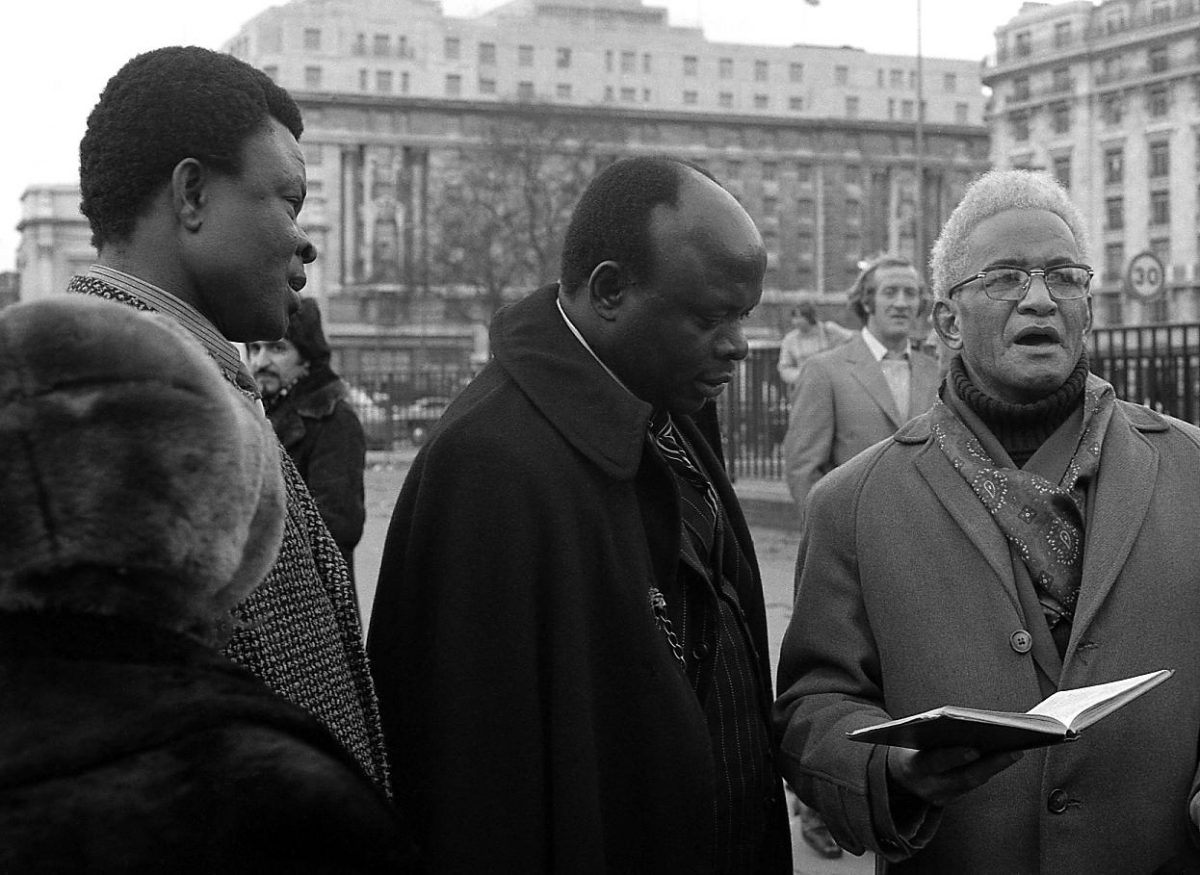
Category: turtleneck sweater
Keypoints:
(1021, 428)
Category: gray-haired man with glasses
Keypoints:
(1030, 533)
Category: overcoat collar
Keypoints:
(1117, 505)
(598, 417)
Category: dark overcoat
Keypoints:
(537, 719)
(910, 598)
(125, 748)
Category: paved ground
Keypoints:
(776, 555)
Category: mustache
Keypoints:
(266, 372)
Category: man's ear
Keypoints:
(606, 291)
(189, 195)
(945, 323)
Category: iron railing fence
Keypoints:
(1155, 365)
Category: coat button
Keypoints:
(1057, 801)
(700, 650)
(1020, 641)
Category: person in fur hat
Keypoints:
(307, 404)
(143, 502)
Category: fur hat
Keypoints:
(305, 333)
(122, 449)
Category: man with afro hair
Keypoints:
(193, 181)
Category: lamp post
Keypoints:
(919, 158)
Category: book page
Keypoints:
(1076, 709)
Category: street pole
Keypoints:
(919, 162)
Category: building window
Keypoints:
(1114, 261)
(1157, 59)
(360, 45)
(312, 78)
(525, 91)
(879, 78)
(896, 79)
(795, 72)
(647, 66)
(1060, 79)
(950, 82)
(1160, 159)
(770, 205)
(608, 60)
(1161, 247)
(841, 75)
(1160, 12)
(1060, 118)
(453, 85)
(796, 104)
(312, 39)
(1020, 127)
(725, 100)
(1062, 34)
(487, 86)
(487, 54)
(690, 98)
(1020, 88)
(852, 107)
(645, 95)
(770, 171)
(382, 45)
(760, 71)
(1156, 101)
(761, 101)
(524, 56)
(1062, 170)
(628, 95)
(383, 81)
(1114, 166)
(608, 94)
(1160, 208)
(402, 47)
(362, 80)
(1113, 309)
(853, 212)
(562, 58)
(725, 68)
(961, 113)
(804, 174)
(906, 109)
(452, 47)
(628, 62)
(1114, 213)
(691, 65)
(563, 90)
(891, 108)
(1111, 109)
(1022, 44)
(404, 82)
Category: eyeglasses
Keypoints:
(1064, 282)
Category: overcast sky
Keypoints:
(56, 55)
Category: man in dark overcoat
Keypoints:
(569, 636)
(309, 407)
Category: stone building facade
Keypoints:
(1107, 97)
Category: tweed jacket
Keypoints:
(841, 406)
(910, 598)
(537, 719)
(300, 631)
(320, 430)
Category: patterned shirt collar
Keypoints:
(192, 319)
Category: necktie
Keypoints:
(698, 500)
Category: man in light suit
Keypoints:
(859, 393)
(1029, 533)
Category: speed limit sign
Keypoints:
(1144, 276)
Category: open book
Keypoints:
(1059, 718)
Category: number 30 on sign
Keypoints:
(1144, 277)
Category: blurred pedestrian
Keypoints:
(193, 181)
(569, 635)
(145, 502)
(308, 405)
(807, 337)
(859, 393)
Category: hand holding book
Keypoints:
(1059, 718)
